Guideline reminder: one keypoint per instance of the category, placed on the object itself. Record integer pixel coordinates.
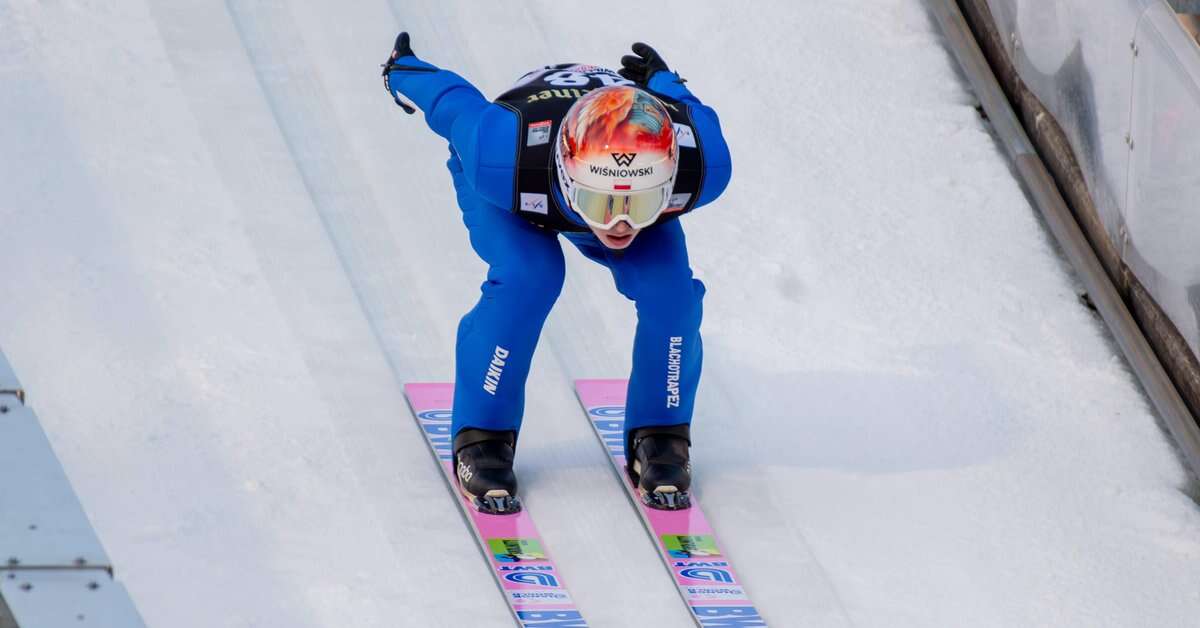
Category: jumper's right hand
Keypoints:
(401, 49)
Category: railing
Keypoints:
(1122, 80)
(1044, 194)
(1162, 205)
(53, 570)
(1185, 6)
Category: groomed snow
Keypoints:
(223, 250)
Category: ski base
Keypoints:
(686, 542)
(520, 563)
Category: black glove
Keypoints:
(400, 49)
(640, 68)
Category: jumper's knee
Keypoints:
(681, 295)
(528, 287)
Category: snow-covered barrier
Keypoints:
(1110, 94)
(53, 569)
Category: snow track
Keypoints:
(225, 249)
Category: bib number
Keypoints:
(579, 79)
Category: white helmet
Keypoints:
(617, 157)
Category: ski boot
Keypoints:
(483, 463)
(660, 467)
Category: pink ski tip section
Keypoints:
(518, 557)
(685, 541)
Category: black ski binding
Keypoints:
(666, 498)
(495, 503)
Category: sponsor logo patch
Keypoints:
(537, 578)
(514, 550)
(678, 202)
(709, 574)
(509, 568)
(715, 593)
(558, 619)
(700, 563)
(536, 203)
(538, 133)
(622, 173)
(690, 545)
(624, 159)
(436, 424)
(584, 68)
(610, 424)
(674, 364)
(491, 381)
(543, 597)
(728, 616)
(684, 135)
(464, 472)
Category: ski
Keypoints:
(524, 571)
(686, 542)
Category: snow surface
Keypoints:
(224, 250)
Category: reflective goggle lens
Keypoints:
(599, 208)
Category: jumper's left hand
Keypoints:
(640, 68)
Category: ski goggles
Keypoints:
(604, 209)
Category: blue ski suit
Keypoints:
(518, 238)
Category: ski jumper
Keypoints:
(502, 165)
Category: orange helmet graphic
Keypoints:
(617, 157)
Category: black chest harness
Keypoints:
(541, 100)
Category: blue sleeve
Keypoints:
(718, 166)
(482, 134)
